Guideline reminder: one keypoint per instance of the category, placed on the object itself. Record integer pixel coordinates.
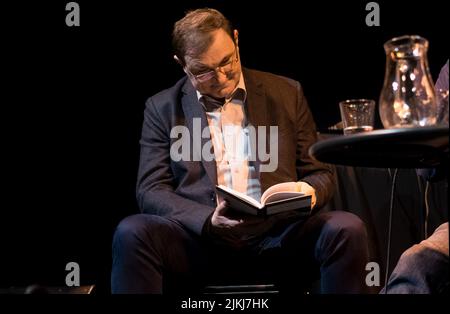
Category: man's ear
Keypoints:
(177, 60)
(236, 36)
(180, 63)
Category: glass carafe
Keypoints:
(408, 97)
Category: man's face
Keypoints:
(221, 52)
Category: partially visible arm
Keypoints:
(155, 185)
(316, 174)
(440, 172)
(442, 81)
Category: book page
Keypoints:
(280, 196)
(242, 196)
(280, 187)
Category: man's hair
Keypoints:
(192, 34)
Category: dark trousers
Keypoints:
(153, 254)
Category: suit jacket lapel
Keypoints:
(193, 109)
(257, 115)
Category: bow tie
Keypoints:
(212, 104)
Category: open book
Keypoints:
(274, 200)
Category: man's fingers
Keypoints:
(221, 208)
(220, 220)
(225, 222)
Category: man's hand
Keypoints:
(221, 228)
(236, 232)
(308, 190)
(220, 221)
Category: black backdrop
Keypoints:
(73, 100)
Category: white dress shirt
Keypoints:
(229, 135)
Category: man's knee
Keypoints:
(137, 228)
(346, 224)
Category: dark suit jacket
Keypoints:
(184, 190)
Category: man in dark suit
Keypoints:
(187, 236)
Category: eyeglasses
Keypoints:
(224, 68)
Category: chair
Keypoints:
(38, 289)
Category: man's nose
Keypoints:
(221, 77)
